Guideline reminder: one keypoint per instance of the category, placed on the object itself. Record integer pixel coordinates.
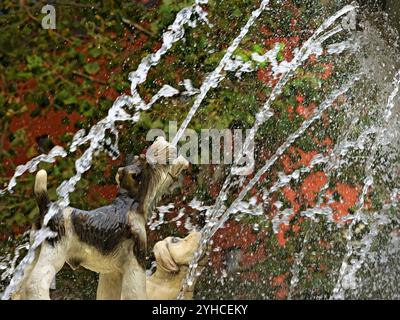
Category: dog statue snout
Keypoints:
(194, 236)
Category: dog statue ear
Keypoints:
(118, 176)
(164, 258)
(130, 159)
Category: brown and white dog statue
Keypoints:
(110, 240)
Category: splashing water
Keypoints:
(216, 222)
(219, 214)
(31, 166)
(215, 77)
(346, 279)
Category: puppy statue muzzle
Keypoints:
(173, 256)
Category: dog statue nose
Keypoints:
(182, 162)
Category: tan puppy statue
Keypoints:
(173, 256)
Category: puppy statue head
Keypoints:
(150, 175)
(172, 253)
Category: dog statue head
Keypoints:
(173, 253)
(150, 175)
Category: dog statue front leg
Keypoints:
(133, 282)
(109, 287)
(50, 261)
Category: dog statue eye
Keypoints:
(175, 240)
(136, 176)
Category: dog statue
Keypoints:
(110, 240)
(173, 256)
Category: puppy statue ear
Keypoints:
(164, 258)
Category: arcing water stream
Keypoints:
(219, 214)
(373, 145)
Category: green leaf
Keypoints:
(63, 95)
(237, 13)
(70, 100)
(34, 62)
(257, 48)
(92, 68)
(94, 52)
